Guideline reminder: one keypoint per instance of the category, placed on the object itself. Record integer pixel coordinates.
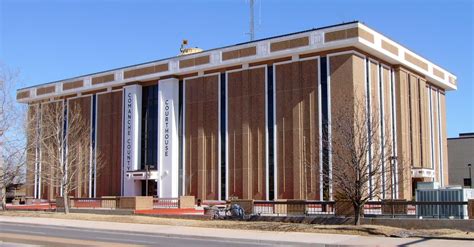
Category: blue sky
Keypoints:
(52, 40)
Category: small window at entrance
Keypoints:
(467, 182)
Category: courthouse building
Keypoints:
(241, 120)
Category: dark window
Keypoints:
(37, 163)
(223, 136)
(94, 117)
(271, 134)
(325, 127)
(149, 150)
(180, 131)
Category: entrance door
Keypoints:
(152, 188)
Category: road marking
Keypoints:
(63, 241)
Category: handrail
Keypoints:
(295, 202)
(388, 202)
(169, 202)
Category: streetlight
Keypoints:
(146, 179)
(392, 165)
(470, 175)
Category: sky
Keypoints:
(51, 40)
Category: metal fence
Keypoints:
(384, 208)
(293, 207)
(320, 207)
(165, 202)
(423, 209)
(113, 203)
(389, 209)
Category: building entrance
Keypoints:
(152, 188)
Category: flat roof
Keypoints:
(351, 34)
(463, 136)
(163, 59)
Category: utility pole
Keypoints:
(252, 24)
(147, 170)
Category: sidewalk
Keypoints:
(258, 236)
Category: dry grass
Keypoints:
(364, 230)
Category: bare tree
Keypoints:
(12, 170)
(12, 152)
(64, 141)
(8, 108)
(361, 151)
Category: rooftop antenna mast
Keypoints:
(252, 24)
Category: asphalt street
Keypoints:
(60, 236)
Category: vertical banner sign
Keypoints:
(132, 113)
(168, 142)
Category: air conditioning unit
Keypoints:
(457, 211)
